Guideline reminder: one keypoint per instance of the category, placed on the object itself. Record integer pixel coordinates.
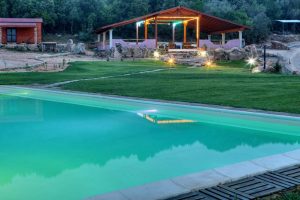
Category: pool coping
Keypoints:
(167, 102)
(188, 183)
(192, 182)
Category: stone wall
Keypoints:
(120, 52)
(285, 38)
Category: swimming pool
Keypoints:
(56, 145)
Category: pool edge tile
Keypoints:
(293, 154)
(111, 196)
(201, 180)
(241, 170)
(275, 162)
(154, 191)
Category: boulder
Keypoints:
(285, 38)
(138, 52)
(33, 47)
(251, 51)
(117, 52)
(279, 45)
(70, 46)
(60, 48)
(79, 48)
(236, 54)
(220, 54)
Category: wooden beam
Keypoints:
(184, 31)
(156, 33)
(198, 30)
(0, 35)
(146, 30)
(227, 31)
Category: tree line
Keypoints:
(83, 16)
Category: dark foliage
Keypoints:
(83, 16)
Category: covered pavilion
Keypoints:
(200, 22)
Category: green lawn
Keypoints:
(227, 84)
(77, 70)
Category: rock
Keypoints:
(138, 52)
(285, 38)
(236, 54)
(256, 70)
(251, 51)
(279, 45)
(220, 54)
(118, 52)
(61, 48)
(272, 66)
(79, 48)
(32, 47)
(70, 46)
(21, 47)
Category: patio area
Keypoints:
(195, 25)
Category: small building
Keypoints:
(21, 30)
(179, 16)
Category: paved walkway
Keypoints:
(102, 77)
(291, 56)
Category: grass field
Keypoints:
(77, 70)
(227, 84)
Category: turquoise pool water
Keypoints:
(70, 146)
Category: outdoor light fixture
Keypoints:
(208, 63)
(171, 61)
(251, 61)
(140, 23)
(156, 54)
(176, 23)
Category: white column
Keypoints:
(35, 36)
(241, 38)
(110, 38)
(104, 40)
(209, 37)
(174, 29)
(0, 35)
(223, 39)
(137, 33)
(98, 38)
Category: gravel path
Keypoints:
(102, 77)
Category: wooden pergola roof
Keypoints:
(208, 24)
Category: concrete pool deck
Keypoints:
(180, 185)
